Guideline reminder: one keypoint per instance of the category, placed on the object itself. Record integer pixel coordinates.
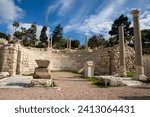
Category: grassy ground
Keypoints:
(97, 83)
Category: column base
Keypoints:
(140, 77)
(140, 74)
(139, 69)
(122, 71)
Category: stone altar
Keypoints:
(42, 74)
(42, 71)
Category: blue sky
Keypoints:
(78, 17)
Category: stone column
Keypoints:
(67, 43)
(122, 67)
(19, 64)
(86, 43)
(48, 43)
(51, 41)
(70, 42)
(138, 48)
(10, 38)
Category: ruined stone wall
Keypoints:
(9, 59)
(106, 60)
(21, 60)
(146, 60)
(60, 60)
(1, 56)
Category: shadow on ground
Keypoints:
(19, 84)
(135, 97)
(142, 88)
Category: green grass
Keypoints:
(130, 74)
(97, 83)
(31, 74)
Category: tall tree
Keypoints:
(3, 35)
(31, 32)
(57, 35)
(96, 41)
(93, 42)
(75, 43)
(145, 38)
(16, 25)
(18, 35)
(43, 36)
(128, 31)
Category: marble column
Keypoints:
(67, 43)
(10, 38)
(51, 41)
(138, 48)
(70, 42)
(48, 43)
(122, 67)
(86, 43)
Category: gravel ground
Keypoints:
(71, 87)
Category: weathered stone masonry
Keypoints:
(20, 60)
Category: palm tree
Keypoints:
(16, 25)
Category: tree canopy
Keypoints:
(43, 36)
(128, 31)
(145, 38)
(16, 25)
(96, 41)
(57, 35)
(3, 35)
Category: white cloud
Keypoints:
(61, 6)
(66, 5)
(27, 26)
(9, 12)
(145, 21)
(98, 23)
(145, 18)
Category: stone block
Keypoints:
(89, 69)
(41, 83)
(4, 74)
(42, 73)
(43, 63)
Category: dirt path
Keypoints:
(71, 86)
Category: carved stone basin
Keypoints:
(43, 63)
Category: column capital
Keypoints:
(135, 13)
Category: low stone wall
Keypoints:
(21, 60)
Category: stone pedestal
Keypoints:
(42, 71)
(89, 69)
(138, 48)
(122, 67)
(42, 74)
